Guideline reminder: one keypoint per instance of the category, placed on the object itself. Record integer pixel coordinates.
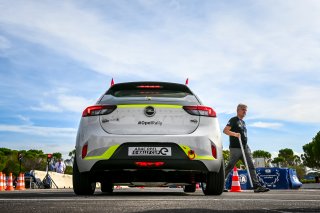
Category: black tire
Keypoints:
(214, 184)
(107, 187)
(189, 188)
(81, 182)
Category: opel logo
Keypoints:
(149, 111)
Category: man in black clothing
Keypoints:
(236, 128)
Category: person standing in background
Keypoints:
(60, 167)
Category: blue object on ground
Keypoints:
(272, 178)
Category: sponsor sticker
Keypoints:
(243, 179)
(149, 151)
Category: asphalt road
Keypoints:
(156, 200)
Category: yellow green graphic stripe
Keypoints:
(106, 155)
(186, 150)
(145, 105)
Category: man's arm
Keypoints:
(227, 131)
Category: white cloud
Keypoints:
(25, 119)
(274, 154)
(58, 100)
(39, 130)
(4, 43)
(220, 44)
(73, 103)
(233, 52)
(45, 107)
(297, 103)
(269, 125)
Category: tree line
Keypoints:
(17, 161)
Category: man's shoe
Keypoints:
(225, 190)
(261, 189)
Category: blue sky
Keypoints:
(57, 57)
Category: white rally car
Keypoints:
(148, 134)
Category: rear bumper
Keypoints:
(173, 165)
(98, 151)
(156, 170)
(116, 157)
(126, 172)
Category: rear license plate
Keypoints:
(149, 151)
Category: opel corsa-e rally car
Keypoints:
(148, 134)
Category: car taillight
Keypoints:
(149, 164)
(214, 151)
(200, 110)
(98, 110)
(84, 151)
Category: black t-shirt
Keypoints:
(239, 126)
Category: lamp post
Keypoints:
(20, 160)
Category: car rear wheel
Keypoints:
(214, 184)
(81, 182)
(189, 188)
(107, 187)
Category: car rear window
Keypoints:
(149, 89)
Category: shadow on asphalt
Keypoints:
(142, 194)
(199, 210)
(57, 194)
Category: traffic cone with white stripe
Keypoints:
(18, 185)
(23, 182)
(235, 187)
(10, 183)
(20, 182)
(4, 181)
(2, 185)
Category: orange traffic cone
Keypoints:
(235, 187)
(23, 182)
(20, 185)
(10, 183)
(2, 186)
(4, 181)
